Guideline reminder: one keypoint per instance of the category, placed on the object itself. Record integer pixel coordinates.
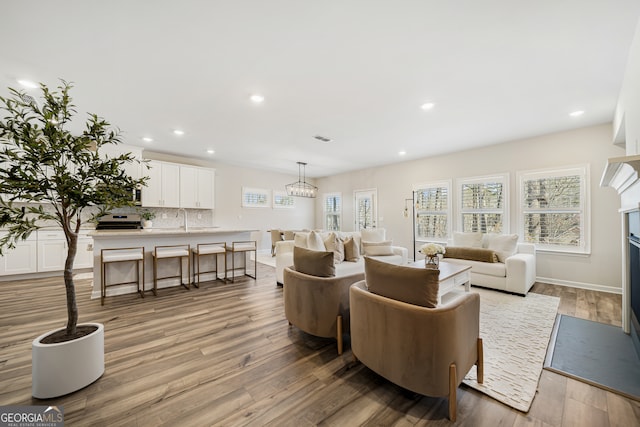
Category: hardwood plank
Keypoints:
(224, 354)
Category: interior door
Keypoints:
(365, 209)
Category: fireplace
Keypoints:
(623, 174)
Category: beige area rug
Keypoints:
(515, 332)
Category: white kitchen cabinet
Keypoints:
(196, 187)
(52, 250)
(134, 169)
(23, 259)
(163, 186)
(84, 254)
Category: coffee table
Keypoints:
(451, 276)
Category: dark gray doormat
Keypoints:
(599, 354)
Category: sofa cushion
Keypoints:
(300, 239)
(497, 269)
(469, 240)
(377, 248)
(351, 251)
(418, 286)
(315, 242)
(373, 235)
(503, 244)
(473, 254)
(333, 244)
(313, 263)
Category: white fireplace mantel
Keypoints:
(623, 174)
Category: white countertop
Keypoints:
(151, 232)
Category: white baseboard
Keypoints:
(580, 285)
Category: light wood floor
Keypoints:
(225, 355)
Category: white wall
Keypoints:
(627, 116)
(229, 212)
(592, 145)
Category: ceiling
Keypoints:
(355, 71)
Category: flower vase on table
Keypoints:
(431, 252)
(432, 261)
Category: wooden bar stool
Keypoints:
(109, 256)
(243, 247)
(206, 249)
(171, 252)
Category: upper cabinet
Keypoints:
(134, 169)
(163, 186)
(196, 187)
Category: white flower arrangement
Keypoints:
(432, 249)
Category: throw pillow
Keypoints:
(503, 244)
(373, 235)
(313, 263)
(418, 286)
(471, 254)
(300, 239)
(315, 242)
(334, 244)
(351, 251)
(469, 240)
(377, 248)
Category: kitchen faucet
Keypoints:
(186, 226)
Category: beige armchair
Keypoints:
(425, 350)
(276, 236)
(318, 305)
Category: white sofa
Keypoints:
(284, 255)
(516, 270)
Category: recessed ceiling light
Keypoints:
(28, 83)
(178, 132)
(402, 153)
(576, 113)
(427, 105)
(147, 139)
(257, 98)
(210, 151)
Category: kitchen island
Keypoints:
(149, 238)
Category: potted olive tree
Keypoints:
(51, 176)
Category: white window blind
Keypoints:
(554, 209)
(433, 211)
(483, 204)
(332, 211)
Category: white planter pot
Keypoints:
(147, 223)
(62, 368)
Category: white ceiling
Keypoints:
(356, 71)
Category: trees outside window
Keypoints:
(483, 204)
(554, 209)
(433, 211)
(332, 211)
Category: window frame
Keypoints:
(502, 178)
(448, 184)
(326, 212)
(584, 172)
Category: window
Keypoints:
(433, 211)
(554, 209)
(255, 198)
(282, 200)
(483, 204)
(366, 208)
(332, 211)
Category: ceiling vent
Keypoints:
(28, 99)
(322, 138)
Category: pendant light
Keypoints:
(301, 188)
